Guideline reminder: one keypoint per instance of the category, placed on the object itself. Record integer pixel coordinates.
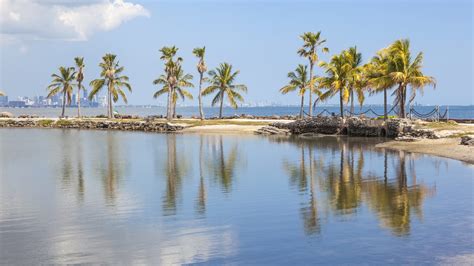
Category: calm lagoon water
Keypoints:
(70, 196)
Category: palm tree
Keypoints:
(182, 81)
(309, 50)
(112, 78)
(406, 72)
(172, 67)
(298, 80)
(378, 75)
(79, 78)
(356, 80)
(336, 81)
(222, 80)
(63, 83)
(201, 68)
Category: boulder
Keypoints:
(467, 140)
(271, 130)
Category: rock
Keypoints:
(270, 130)
(6, 115)
(93, 124)
(467, 140)
(323, 125)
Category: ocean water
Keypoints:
(77, 196)
(454, 111)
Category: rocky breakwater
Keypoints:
(319, 125)
(401, 129)
(139, 125)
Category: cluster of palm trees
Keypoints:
(172, 82)
(111, 78)
(346, 76)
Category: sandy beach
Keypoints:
(445, 147)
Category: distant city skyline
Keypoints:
(39, 36)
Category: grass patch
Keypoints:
(45, 122)
(61, 123)
(388, 117)
(463, 134)
(442, 125)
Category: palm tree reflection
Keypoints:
(113, 171)
(347, 184)
(175, 170)
(201, 197)
(299, 174)
(71, 165)
(223, 165)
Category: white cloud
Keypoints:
(63, 20)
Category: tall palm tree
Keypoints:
(312, 41)
(356, 80)
(182, 81)
(111, 78)
(298, 80)
(79, 78)
(222, 80)
(377, 72)
(336, 81)
(63, 83)
(201, 68)
(407, 72)
(172, 67)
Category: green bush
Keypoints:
(45, 122)
(388, 117)
(63, 123)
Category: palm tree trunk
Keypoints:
(310, 113)
(79, 100)
(341, 103)
(111, 111)
(385, 116)
(168, 107)
(352, 101)
(302, 106)
(222, 103)
(201, 113)
(174, 109)
(401, 100)
(64, 103)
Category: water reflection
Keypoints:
(201, 197)
(175, 169)
(393, 196)
(222, 163)
(177, 199)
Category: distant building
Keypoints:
(16, 104)
(102, 101)
(3, 101)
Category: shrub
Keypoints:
(45, 122)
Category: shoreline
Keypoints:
(447, 147)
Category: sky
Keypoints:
(259, 38)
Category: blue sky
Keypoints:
(260, 38)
